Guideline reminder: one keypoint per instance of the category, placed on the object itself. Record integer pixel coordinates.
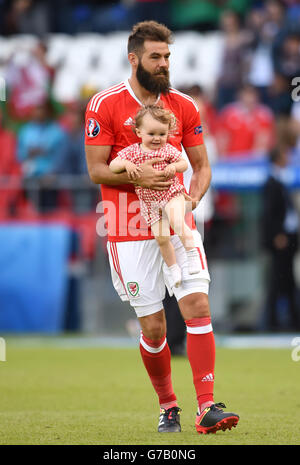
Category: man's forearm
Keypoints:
(201, 176)
(101, 174)
(200, 182)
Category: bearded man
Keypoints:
(138, 272)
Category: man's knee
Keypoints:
(154, 326)
(194, 305)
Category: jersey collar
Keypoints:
(129, 88)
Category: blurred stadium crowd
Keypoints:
(238, 59)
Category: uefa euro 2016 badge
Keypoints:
(198, 129)
(133, 288)
(92, 127)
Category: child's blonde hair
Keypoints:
(159, 113)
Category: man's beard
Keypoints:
(155, 84)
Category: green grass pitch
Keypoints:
(52, 395)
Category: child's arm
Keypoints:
(177, 167)
(181, 165)
(118, 165)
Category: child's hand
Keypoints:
(170, 171)
(133, 171)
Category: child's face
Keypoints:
(153, 133)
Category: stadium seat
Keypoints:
(191, 59)
(100, 60)
(208, 69)
(58, 45)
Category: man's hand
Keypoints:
(151, 178)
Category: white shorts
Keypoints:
(140, 275)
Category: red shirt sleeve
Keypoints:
(99, 126)
(192, 128)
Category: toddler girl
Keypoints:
(160, 209)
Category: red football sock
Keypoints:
(201, 355)
(156, 356)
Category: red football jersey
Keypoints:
(242, 127)
(109, 118)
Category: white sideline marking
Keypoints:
(2, 350)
